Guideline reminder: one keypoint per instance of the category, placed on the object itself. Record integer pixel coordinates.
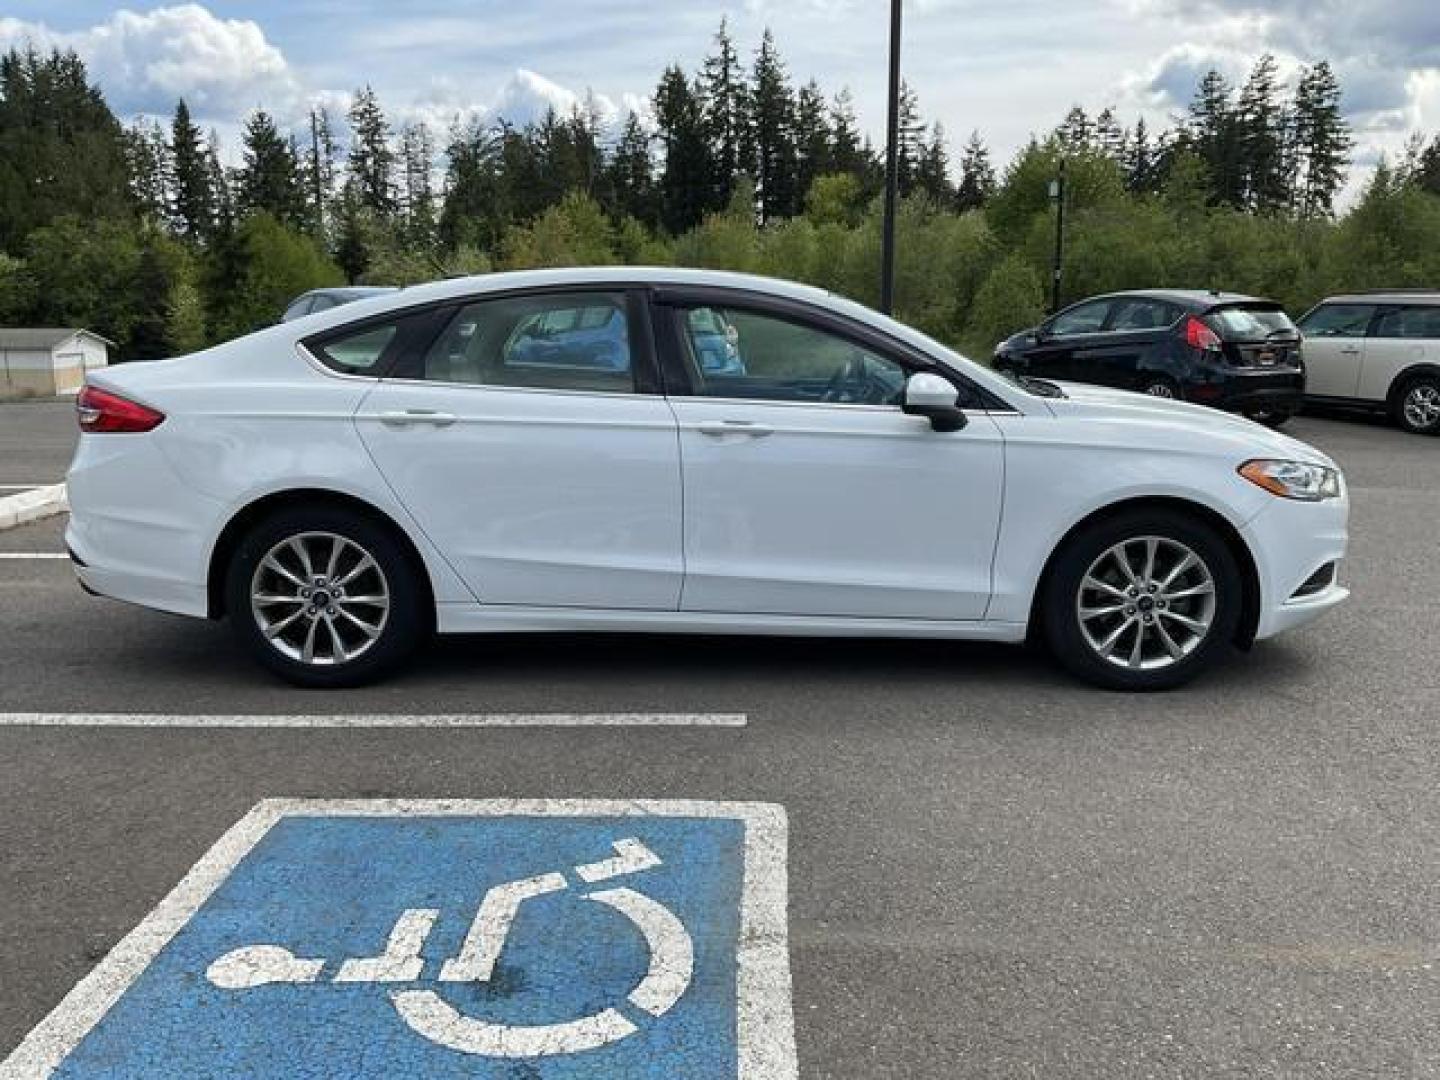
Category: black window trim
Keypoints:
(423, 333)
(669, 301)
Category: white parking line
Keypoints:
(375, 720)
(20, 555)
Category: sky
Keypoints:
(1005, 69)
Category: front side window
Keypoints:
(735, 353)
(549, 342)
(1419, 322)
(1081, 319)
(1338, 320)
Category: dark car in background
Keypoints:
(1233, 352)
(325, 299)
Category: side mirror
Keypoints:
(934, 397)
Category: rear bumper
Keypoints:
(1247, 391)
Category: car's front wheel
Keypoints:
(325, 597)
(1144, 601)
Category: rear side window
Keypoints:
(1410, 322)
(1338, 320)
(1142, 313)
(1250, 323)
(372, 348)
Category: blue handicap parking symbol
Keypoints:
(438, 939)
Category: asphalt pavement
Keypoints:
(993, 870)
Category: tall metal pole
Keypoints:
(892, 167)
(1057, 268)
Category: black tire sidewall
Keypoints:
(1399, 410)
(405, 627)
(1062, 626)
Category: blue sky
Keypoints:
(1005, 69)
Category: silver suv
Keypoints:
(1377, 350)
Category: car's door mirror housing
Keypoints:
(935, 398)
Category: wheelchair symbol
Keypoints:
(672, 961)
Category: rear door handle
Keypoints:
(406, 417)
(733, 427)
(1350, 350)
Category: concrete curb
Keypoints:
(31, 506)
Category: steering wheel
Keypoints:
(849, 383)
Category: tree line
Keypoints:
(144, 234)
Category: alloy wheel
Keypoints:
(1160, 390)
(320, 599)
(1422, 405)
(1146, 603)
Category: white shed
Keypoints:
(46, 361)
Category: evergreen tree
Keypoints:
(269, 179)
(473, 213)
(727, 117)
(151, 176)
(61, 149)
(813, 136)
(417, 162)
(1426, 173)
(1076, 132)
(687, 168)
(1262, 136)
(1322, 142)
(1140, 160)
(1109, 137)
(372, 161)
(629, 175)
(932, 171)
(977, 175)
(910, 139)
(194, 187)
(773, 130)
(222, 193)
(1212, 133)
(847, 153)
(318, 174)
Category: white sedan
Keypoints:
(622, 449)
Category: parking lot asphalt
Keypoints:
(993, 871)
(37, 440)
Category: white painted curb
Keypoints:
(31, 506)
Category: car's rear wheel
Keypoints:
(1144, 601)
(1271, 418)
(1161, 388)
(325, 597)
(1417, 406)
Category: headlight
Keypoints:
(1293, 479)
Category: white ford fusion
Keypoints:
(668, 450)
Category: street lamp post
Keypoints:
(892, 167)
(1057, 196)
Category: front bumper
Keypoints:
(1291, 541)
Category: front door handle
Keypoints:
(733, 427)
(417, 416)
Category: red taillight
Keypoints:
(101, 412)
(1200, 336)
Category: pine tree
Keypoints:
(417, 162)
(847, 153)
(910, 139)
(1212, 133)
(1262, 136)
(1140, 161)
(222, 194)
(1109, 137)
(629, 175)
(727, 117)
(813, 136)
(773, 131)
(1322, 141)
(194, 191)
(932, 171)
(1426, 173)
(269, 179)
(318, 173)
(147, 152)
(977, 175)
(687, 169)
(372, 161)
(1076, 132)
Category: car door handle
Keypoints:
(1350, 350)
(733, 427)
(417, 416)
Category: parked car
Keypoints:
(1380, 351)
(324, 299)
(1234, 352)
(848, 479)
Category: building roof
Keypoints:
(44, 337)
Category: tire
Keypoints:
(1161, 388)
(1417, 405)
(373, 632)
(1175, 609)
(1271, 418)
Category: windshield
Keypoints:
(1251, 323)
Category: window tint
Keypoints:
(552, 342)
(743, 354)
(1143, 314)
(357, 352)
(1410, 322)
(1250, 323)
(1081, 319)
(1338, 320)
